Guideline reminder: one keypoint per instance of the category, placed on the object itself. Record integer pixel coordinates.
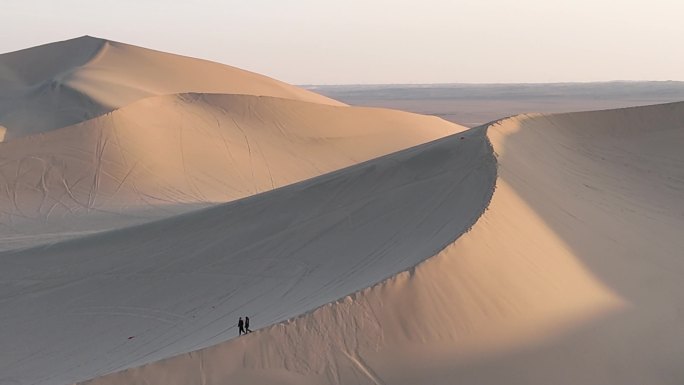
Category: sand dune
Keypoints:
(60, 84)
(572, 275)
(132, 157)
(368, 246)
(170, 154)
(180, 284)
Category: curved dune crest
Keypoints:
(570, 276)
(169, 154)
(61, 84)
(159, 289)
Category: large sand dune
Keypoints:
(368, 246)
(60, 84)
(169, 154)
(102, 135)
(180, 284)
(573, 275)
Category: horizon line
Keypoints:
(486, 83)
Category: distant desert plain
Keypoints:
(519, 234)
(475, 104)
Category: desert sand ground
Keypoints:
(367, 246)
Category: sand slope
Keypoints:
(181, 283)
(170, 154)
(573, 275)
(60, 84)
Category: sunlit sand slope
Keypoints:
(573, 275)
(91, 306)
(60, 84)
(169, 154)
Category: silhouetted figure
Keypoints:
(241, 327)
(247, 325)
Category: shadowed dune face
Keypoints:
(181, 283)
(61, 84)
(170, 154)
(572, 275)
(35, 94)
(34, 65)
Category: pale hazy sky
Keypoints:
(381, 41)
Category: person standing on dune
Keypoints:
(241, 327)
(247, 325)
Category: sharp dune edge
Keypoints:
(179, 284)
(537, 249)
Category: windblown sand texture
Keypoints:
(368, 246)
